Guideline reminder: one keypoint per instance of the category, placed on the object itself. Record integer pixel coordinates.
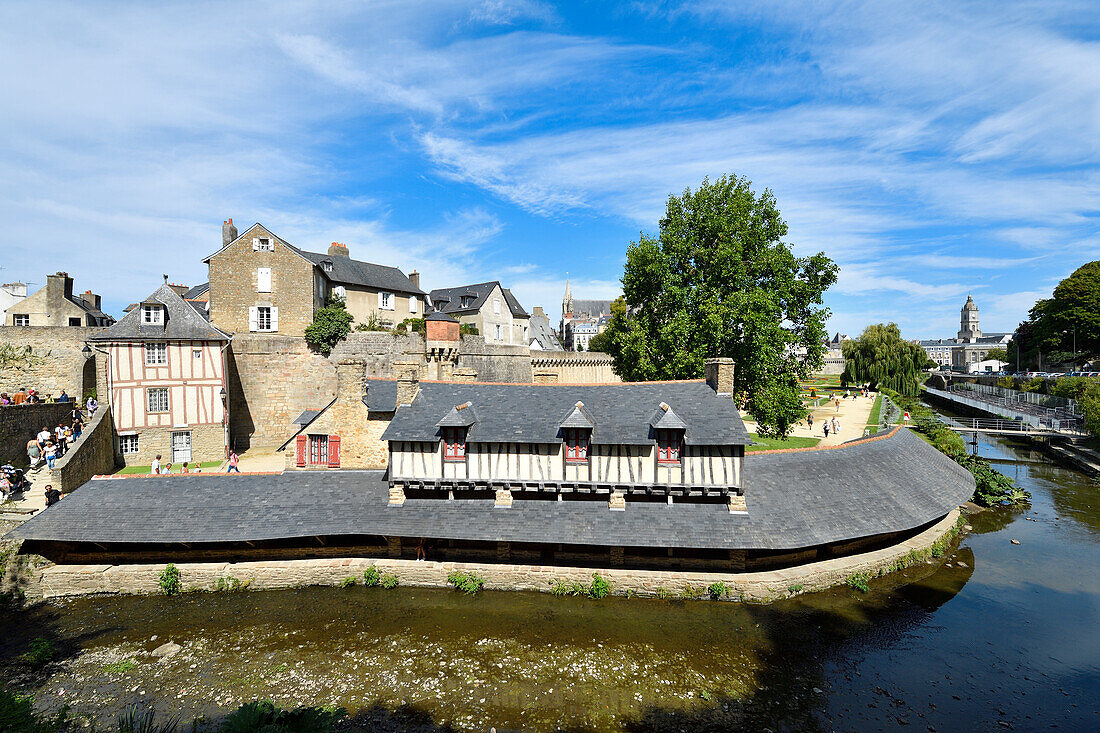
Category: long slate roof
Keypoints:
(525, 413)
(183, 322)
(451, 298)
(356, 272)
(795, 499)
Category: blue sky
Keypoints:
(931, 150)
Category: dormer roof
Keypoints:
(460, 416)
(578, 418)
(182, 322)
(665, 419)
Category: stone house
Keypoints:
(57, 305)
(542, 336)
(166, 375)
(490, 308)
(262, 284)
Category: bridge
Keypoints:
(995, 426)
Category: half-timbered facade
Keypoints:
(166, 372)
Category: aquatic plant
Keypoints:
(600, 588)
(663, 593)
(468, 583)
(717, 590)
(859, 581)
(119, 667)
(39, 652)
(144, 720)
(170, 580)
(228, 584)
(568, 588)
(264, 716)
(349, 581)
(371, 577)
(388, 580)
(796, 588)
(691, 593)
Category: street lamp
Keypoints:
(86, 351)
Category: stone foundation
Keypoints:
(69, 580)
(207, 444)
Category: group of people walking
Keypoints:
(50, 444)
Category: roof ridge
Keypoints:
(570, 384)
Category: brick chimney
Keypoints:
(719, 375)
(90, 297)
(336, 249)
(179, 289)
(414, 278)
(229, 232)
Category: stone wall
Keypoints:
(766, 586)
(575, 367)
(92, 455)
(495, 363)
(20, 423)
(207, 444)
(54, 363)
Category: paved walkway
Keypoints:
(853, 415)
(27, 505)
(260, 459)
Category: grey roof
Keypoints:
(89, 307)
(592, 308)
(381, 395)
(439, 316)
(196, 291)
(543, 333)
(356, 272)
(183, 322)
(527, 413)
(795, 500)
(460, 416)
(449, 300)
(578, 418)
(306, 417)
(665, 419)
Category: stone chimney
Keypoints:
(95, 300)
(59, 288)
(464, 374)
(414, 278)
(719, 375)
(229, 232)
(408, 381)
(336, 249)
(538, 311)
(545, 377)
(351, 381)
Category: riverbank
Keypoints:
(756, 587)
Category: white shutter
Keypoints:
(263, 279)
(412, 304)
(252, 319)
(274, 318)
(255, 244)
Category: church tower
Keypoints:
(968, 323)
(567, 301)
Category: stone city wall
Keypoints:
(766, 586)
(20, 423)
(54, 362)
(495, 363)
(575, 367)
(92, 455)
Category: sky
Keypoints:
(932, 149)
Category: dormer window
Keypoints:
(262, 244)
(152, 315)
(467, 301)
(326, 265)
(668, 446)
(576, 445)
(454, 444)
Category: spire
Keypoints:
(567, 301)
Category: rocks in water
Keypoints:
(963, 565)
(1015, 542)
(166, 650)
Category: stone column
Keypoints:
(546, 377)
(408, 381)
(737, 504)
(503, 500)
(397, 495)
(617, 502)
(393, 546)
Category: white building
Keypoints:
(10, 294)
(969, 347)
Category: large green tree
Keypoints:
(881, 357)
(1068, 319)
(718, 280)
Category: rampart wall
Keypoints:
(92, 455)
(575, 367)
(20, 423)
(53, 363)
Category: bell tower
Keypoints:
(968, 322)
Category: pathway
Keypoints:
(853, 415)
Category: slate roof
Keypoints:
(306, 417)
(526, 413)
(795, 500)
(591, 308)
(183, 322)
(89, 308)
(367, 274)
(197, 291)
(381, 395)
(543, 334)
(449, 300)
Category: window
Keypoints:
(412, 304)
(128, 444)
(496, 306)
(197, 353)
(263, 318)
(74, 321)
(21, 319)
(262, 244)
(340, 292)
(263, 279)
(576, 445)
(500, 332)
(385, 301)
(668, 446)
(152, 314)
(156, 399)
(318, 449)
(454, 444)
(156, 354)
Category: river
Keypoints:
(999, 637)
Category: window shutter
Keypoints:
(263, 279)
(274, 318)
(300, 450)
(253, 324)
(255, 244)
(412, 304)
(334, 451)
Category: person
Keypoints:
(837, 401)
(59, 438)
(167, 468)
(44, 436)
(5, 487)
(51, 454)
(78, 428)
(63, 397)
(825, 427)
(19, 397)
(810, 421)
(836, 426)
(234, 459)
(185, 469)
(34, 452)
(906, 417)
(75, 413)
(92, 404)
(155, 468)
(4, 399)
(52, 495)
(68, 436)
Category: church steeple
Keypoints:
(567, 301)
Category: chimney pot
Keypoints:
(337, 249)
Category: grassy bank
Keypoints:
(776, 444)
(876, 414)
(176, 467)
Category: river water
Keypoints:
(998, 637)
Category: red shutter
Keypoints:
(334, 451)
(301, 449)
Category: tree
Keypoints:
(1089, 404)
(330, 326)
(1069, 321)
(997, 354)
(880, 356)
(718, 280)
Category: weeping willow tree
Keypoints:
(882, 357)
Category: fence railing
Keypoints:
(1068, 405)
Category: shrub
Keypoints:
(564, 588)
(468, 583)
(859, 582)
(330, 326)
(410, 325)
(663, 593)
(228, 584)
(691, 593)
(600, 588)
(371, 577)
(348, 582)
(170, 580)
(717, 590)
(39, 652)
(138, 720)
(388, 580)
(796, 588)
(468, 329)
(17, 714)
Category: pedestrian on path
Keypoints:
(92, 404)
(836, 426)
(44, 436)
(234, 459)
(34, 452)
(825, 427)
(167, 468)
(52, 495)
(51, 454)
(906, 418)
(837, 401)
(810, 421)
(155, 468)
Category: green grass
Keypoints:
(772, 443)
(175, 467)
(876, 410)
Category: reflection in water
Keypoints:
(936, 646)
